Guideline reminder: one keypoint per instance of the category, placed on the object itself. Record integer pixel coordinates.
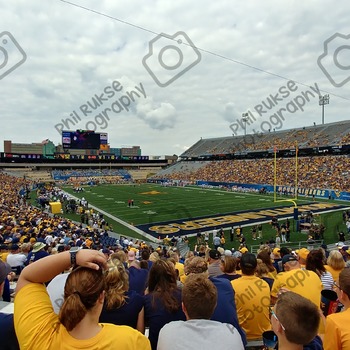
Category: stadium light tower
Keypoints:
(245, 118)
(323, 100)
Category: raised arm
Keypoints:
(45, 269)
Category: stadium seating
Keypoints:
(311, 136)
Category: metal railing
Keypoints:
(292, 245)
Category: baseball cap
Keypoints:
(276, 251)
(131, 255)
(249, 260)
(244, 250)
(236, 254)
(214, 254)
(287, 258)
(227, 252)
(5, 269)
(14, 247)
(303, 253)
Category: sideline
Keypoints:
(198, 188)
(124, 223)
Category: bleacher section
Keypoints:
(323, 172)
(181, 167)
(39, 176)
(30, 174)
(142, 174)
(65, 175)
(332, 134)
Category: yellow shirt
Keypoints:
(38, 327)
(252, 297)
(337, 334)
(180, 267)
(3, 256)
(303, 282)
(272, 274)
(335, 273)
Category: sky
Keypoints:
(162, 74)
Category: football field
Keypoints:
(161, 211)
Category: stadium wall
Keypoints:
(307, 192)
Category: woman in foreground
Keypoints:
(76, 326)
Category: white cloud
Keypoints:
(73, 53)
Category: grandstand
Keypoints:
(30, 174)
(327, 135)
(143, 173)
(78, 173)
(323, 172)
(231, 161)
(181, 167)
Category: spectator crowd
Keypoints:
(324, 172)
(74, 290)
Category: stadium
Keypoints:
(218, 183)
(222, 197)
(174, 175)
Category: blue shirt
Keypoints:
(137, 279)
(36, 256)
(125, 315)
(8, 339)
(226, 310)
(156, 316)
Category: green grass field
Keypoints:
(153, 203)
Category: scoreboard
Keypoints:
(83, 139)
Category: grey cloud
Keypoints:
(230, 112)
(158, 116)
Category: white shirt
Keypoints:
(199, 334)
(17, 259)
(55, 289)
(48, 239)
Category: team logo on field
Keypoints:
(153, 192)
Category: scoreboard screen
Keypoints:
(83, 139)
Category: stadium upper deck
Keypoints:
(333, 135)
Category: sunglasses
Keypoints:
(275, 316)
(335, 285)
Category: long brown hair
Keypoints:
(264, 255)
(315, 260)
(162, 284)
(81, 292)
